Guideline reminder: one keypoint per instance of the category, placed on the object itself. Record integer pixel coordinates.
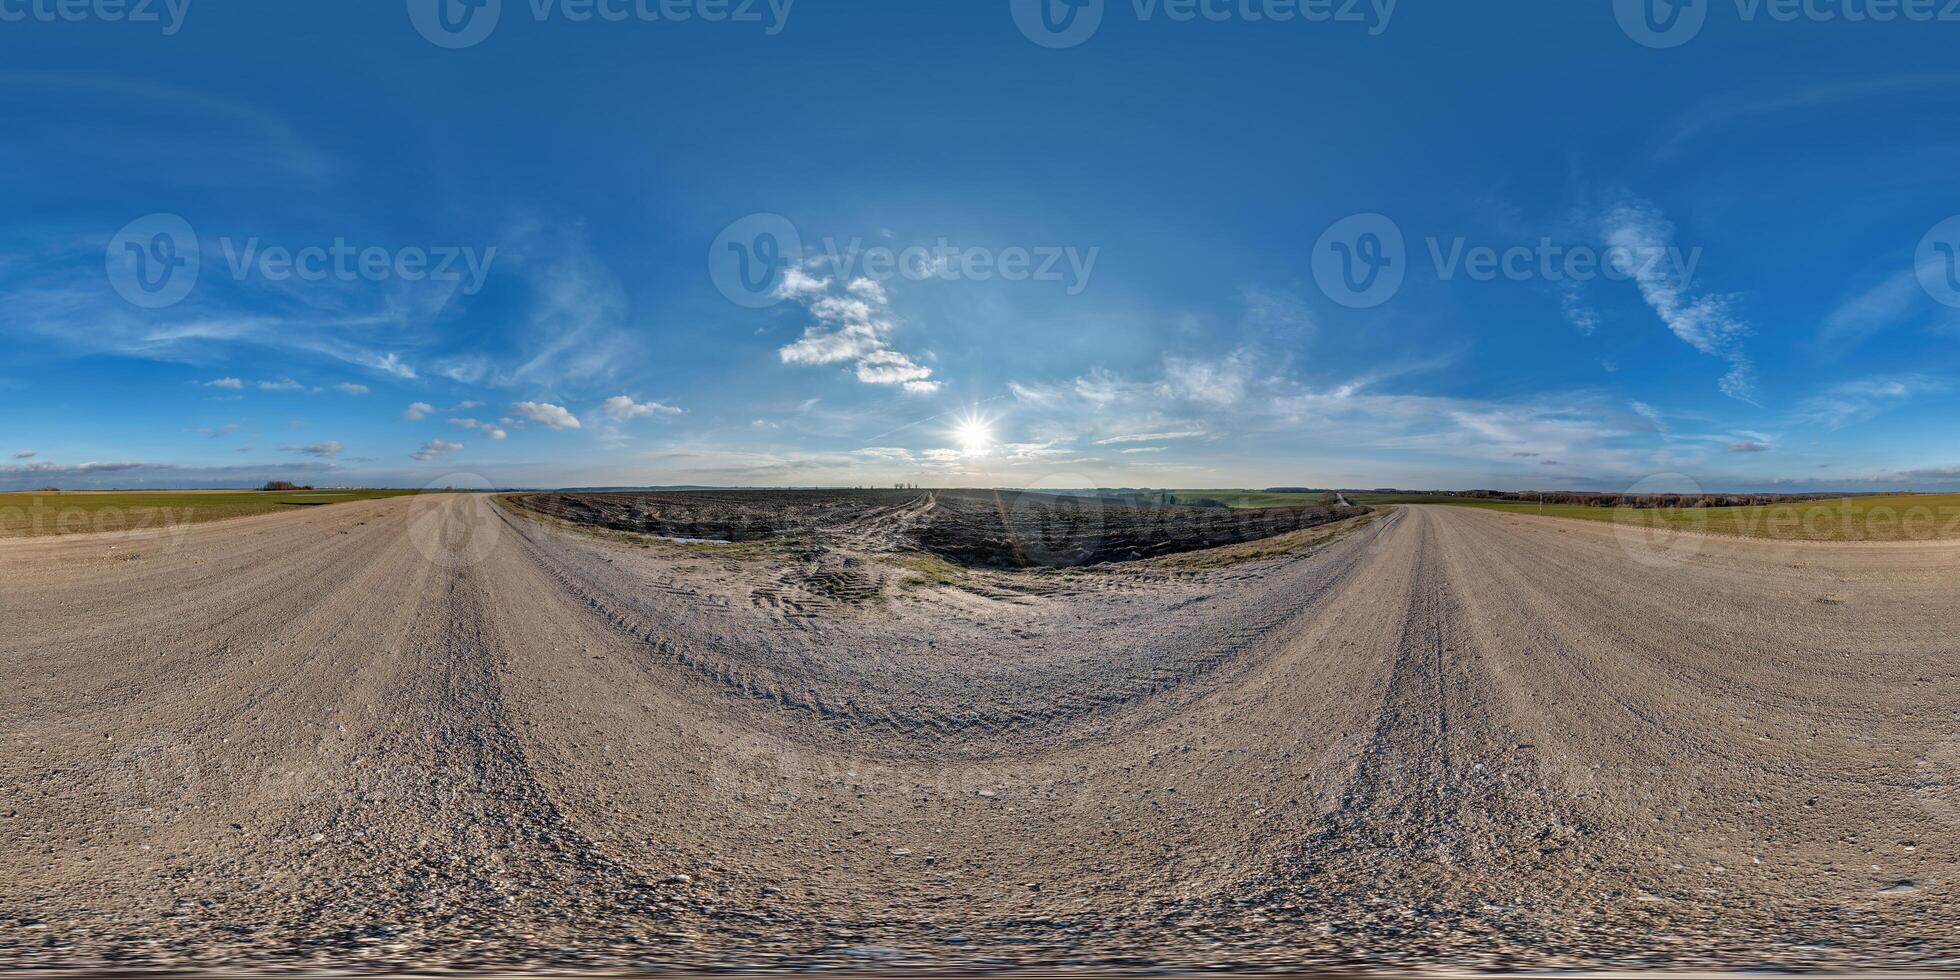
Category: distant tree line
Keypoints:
(1642, 501)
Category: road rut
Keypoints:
(426, 731)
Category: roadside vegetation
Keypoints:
(46, 512)
(1891, 517)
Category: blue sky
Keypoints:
(1156, 248)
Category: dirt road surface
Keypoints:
(426, 731)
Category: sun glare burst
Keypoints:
(974, 435)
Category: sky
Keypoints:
(1541, 244)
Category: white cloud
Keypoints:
(1850, 402)
(888, 453)
(233, 384)
(854, 326)
(546, 414)
(1100, 386)
(1641, 245)
(349, 388)
(1890, 303)
(26, 454)
(887, 367)
(869, 290)
(45, 470)
(1219, 383)
(622, 408)
(1651, 414)
(417, 412)
(434, 448)
(283, 384)
(1277, 311)
(484, 427)
(321, 449)
(1152, 437)
(1572, 304)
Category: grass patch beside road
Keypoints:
(1226, 556)
(46, 512)
(1894, 517)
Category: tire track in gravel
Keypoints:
(1460, 739)
(449, 821)
(745, 666)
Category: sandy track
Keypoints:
(425, 731)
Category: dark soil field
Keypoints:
(979, 528)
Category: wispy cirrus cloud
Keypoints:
(1850, 402)
(1152, 437)
(1640, 242)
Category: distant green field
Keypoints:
(1910, 517)
(34, 514)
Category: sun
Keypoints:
(974, 434)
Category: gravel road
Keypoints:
(429, 732)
